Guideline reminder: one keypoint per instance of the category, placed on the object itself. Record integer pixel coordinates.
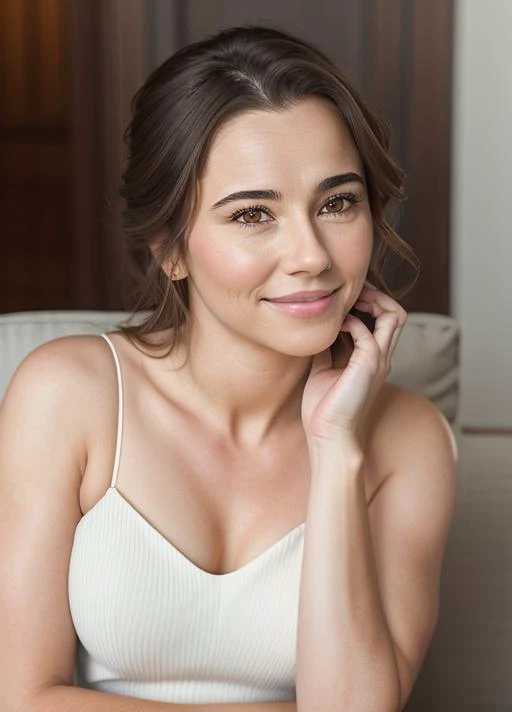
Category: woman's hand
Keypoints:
(336, 400)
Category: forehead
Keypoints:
(307, 139)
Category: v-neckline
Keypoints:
(242, 569)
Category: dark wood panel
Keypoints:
(86, 156)
(427, 127)
(33, 66)
(50, 61)
(39, 274)
(15, 38)
(384, 66)
(33, 162)
(35, 170)
(110, 59)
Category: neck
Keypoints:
(246, 392)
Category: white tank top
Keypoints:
(153, 625)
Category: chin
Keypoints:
(311, 347)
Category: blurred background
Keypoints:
(437, 70)
(69, 69)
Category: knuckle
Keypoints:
(402, 316)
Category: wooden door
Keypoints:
(35, 171)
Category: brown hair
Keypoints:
(176, 115)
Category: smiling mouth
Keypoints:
(303, 307)
(302, 298)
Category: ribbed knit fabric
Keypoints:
(151, 624)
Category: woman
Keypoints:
(227, 503)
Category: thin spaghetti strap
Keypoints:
(119, 410)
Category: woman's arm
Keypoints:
(370, 577)
(60, 697)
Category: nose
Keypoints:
(303, 249)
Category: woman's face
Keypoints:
(309, 229)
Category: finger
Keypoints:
(384, 332)
(395, 338)
(375, 300)
(376, 307)
(363, 338)
(388, 324)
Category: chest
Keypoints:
(219, 507)
(146, 615)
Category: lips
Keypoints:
(305, 296)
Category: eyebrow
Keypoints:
(326, 184)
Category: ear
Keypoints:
(174, 265)
(175, 268)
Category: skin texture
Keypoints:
(231, 268)
(272, 437)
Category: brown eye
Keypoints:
(339, 204)
(252, 216)
(335, 205)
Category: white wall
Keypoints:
(482, 209)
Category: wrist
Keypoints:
(338, 458)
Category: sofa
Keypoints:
(467, 665)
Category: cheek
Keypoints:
(354, 248)
(231, 266)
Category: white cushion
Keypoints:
(426, 360)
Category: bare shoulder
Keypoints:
(46, 419)
(412, 420)
(64, 358)
(407, 433)
(62, 364)
(61, 384)
(75, 352)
